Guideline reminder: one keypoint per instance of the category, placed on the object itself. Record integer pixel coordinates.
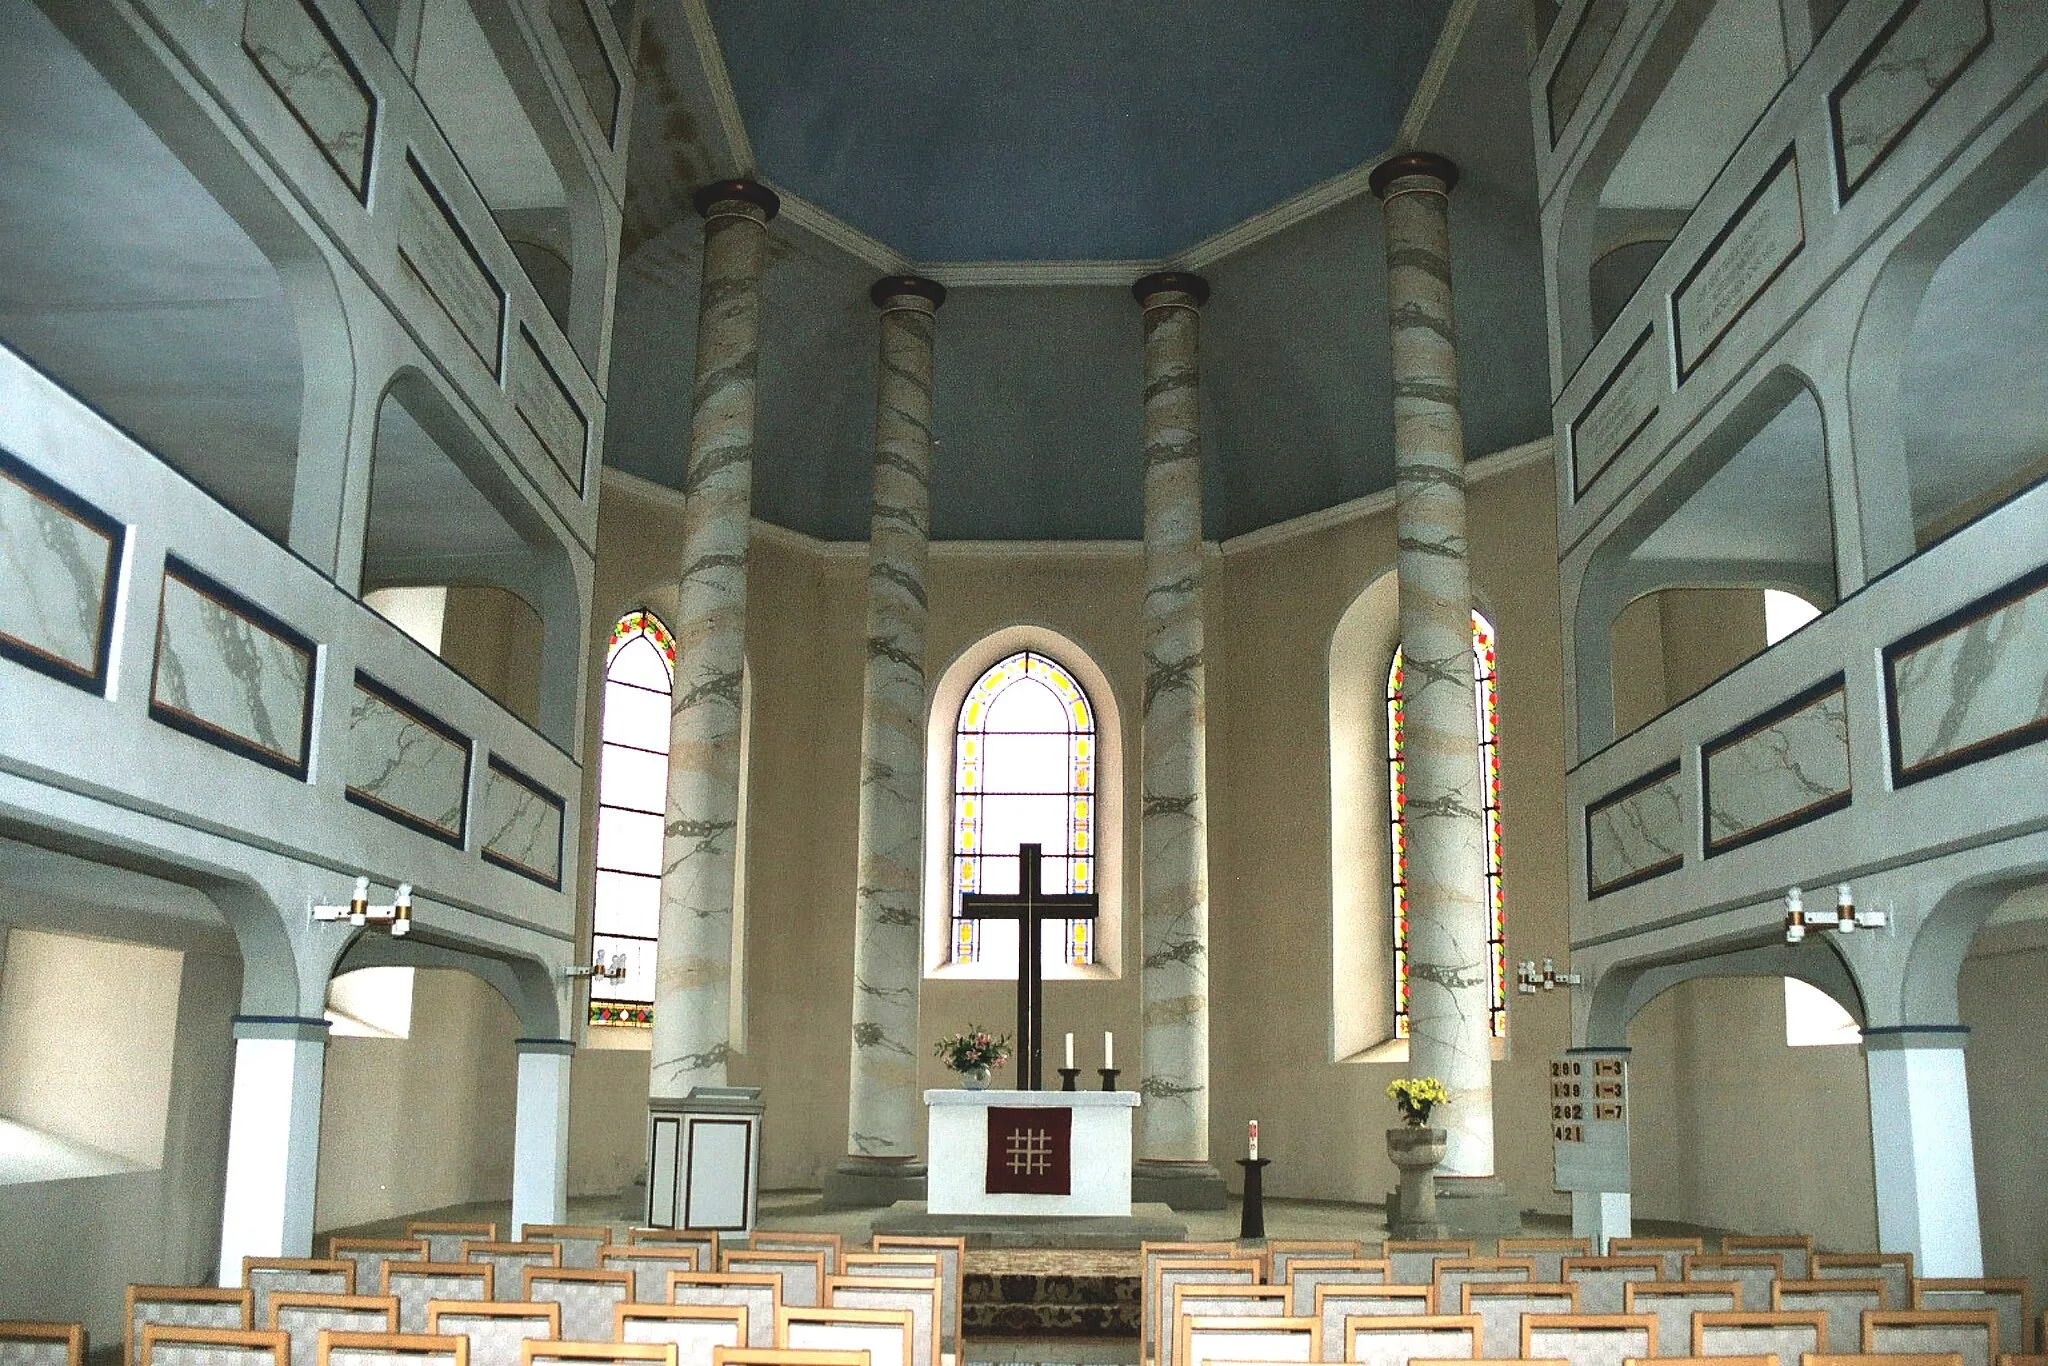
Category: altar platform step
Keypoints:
(1146, 1223)
(1016, 1304)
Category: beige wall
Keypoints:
(2004, 1001)
(1669, 644)
(1272, 614)
(1732, 1129)
(415, 1124)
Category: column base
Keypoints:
(1475, 1205)
(1180, 1185)
(874, 1182)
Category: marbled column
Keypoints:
(1174, 1065)
(693, 967)
(885, 1113)
(1449, 996)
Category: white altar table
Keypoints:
(1098, 1154)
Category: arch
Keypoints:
(1944, 407)
(1748, 507)
(948, 696)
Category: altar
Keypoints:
(1058, 1153)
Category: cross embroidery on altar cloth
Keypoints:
(1029, 1150)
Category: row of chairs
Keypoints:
(1672, 1279)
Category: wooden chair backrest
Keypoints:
(580, 1242)
(1556, 1328)
(211, 1306)
(1338, 1304)
(1755, 1272)
(423, 1347)
(1359, 1329)
(1213, 1302)
(1454, 1273)
(1796, 1252)
(1895, 1269)
(1165, 1272)
(1281, 1252)
(1973, 1333)
(67, 1338)
(573, 1287)
(265, 1276)
(257, 1343)
(413, 1284)
(648, 1265)
(1202, 1338)
(759, 1291)
(1670, 1251)
(1502, 1329)
(696, 1330)
(540, 1352)
(921, 1297)
(444, 1241)
(830, 1244)
(1866, 1359)
(302, 1315)
(1304, 1274)
(1845, 1316)
(887, 1334)
(803, 1273)
(704, 1239)
(784, 1356)
(2009, 1295)
(1406, 1257)
(1604, 1277)
(952, 1255)
(1547, 1253)
(1775, 1325)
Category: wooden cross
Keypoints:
(1029, 907)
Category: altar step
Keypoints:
(1146, 1223)
(1071, 1298)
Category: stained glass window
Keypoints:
(1024, 761)
(1486, 707)
(632, 797)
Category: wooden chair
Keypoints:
(390, 1349)
(165, 1344)
(952, 1255)
(415, 1284)
(1708, 1361)
(1304, 1274)
(508, 1263)
(1895, 1269)
(1204, 1338)
(1786, 1336)
(1397, 1339)
(697, 1331)
(648, 1266)
(1970, 1333)
(802, 1272)
(580, 1244)
(1167, 1272)
(885, 1334)
(2021, 1359)
(784, 1356)
(1589, 1339)
(1500, 1306)
(264, 1276)
(181, 1306)
(1215, 1302)
(27, 1343)
(302, 1315)
(1600, 1279)
(1281, 1253)
(538, 1353)
(370, 1254)
(494, 1331)
(919, 1297)
(1547, 1253)
(1454, 1273)
(589, 1298)
(1753, 1271)
(1864, 1359)
(703, 1239)
(2007, 1296)
(1670, 1251)
(444, 1241)
(1673, 1303)
(1150, 1255)
(1796, 1252)
(1413, 1261)
(917, 1266)
(1335, 1305)
(1843, 1301)
(831, 1244)
(759, 1293)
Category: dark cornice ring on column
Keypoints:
(896, 286)
(1435, 165)
(746, 191)
(1172, 282)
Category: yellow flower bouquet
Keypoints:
(1417, 1096)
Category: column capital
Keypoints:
(906, 287)
(1402, 165)
(1171, 282)
(743, 191)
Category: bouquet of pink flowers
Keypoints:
(975, 1050)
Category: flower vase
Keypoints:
(975, 1078)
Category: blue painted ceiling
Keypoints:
(1066, 129)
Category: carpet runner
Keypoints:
(1009, 1293)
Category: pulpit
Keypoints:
(1030, 1152)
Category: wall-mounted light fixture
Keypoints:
(397, 917)
(1845, 918)
(1528, 981)
(614, 971)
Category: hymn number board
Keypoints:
(1589, 1120)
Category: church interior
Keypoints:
(609, 611)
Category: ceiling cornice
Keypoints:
(802, 213)
(1432, 83)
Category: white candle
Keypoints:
(1070, 1052)
(1108, 1049)
(1255, 1141)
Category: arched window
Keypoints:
(632, 797)
(1024, 772)
(1486, 709)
